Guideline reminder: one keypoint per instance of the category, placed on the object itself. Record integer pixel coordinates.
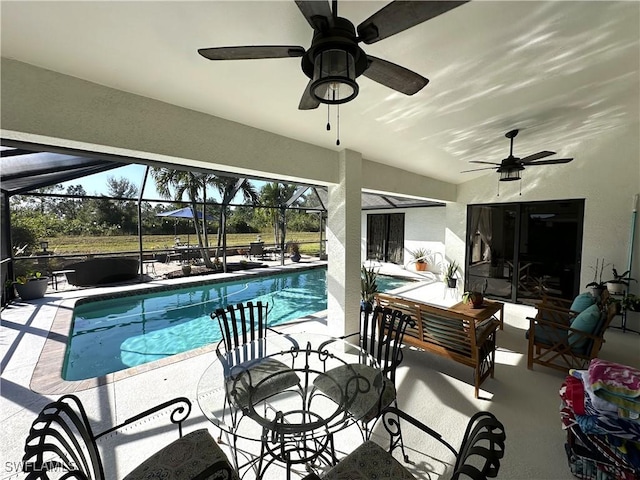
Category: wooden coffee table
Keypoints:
(488, 309)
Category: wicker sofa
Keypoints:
(101, 270)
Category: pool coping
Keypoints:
(47, 375)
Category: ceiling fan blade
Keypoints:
(550, 162)
(251, 52)
(317, 8)
(394, 76)
(536, 156)
(399, 16)
(480, 161)
(478, 169)
(308, 101)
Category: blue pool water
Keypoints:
(111, 335)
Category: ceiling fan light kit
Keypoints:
(510, 174)
(334, 77)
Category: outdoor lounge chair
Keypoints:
(562, 339)
(482, 448)
(62, 444)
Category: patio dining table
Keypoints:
(294, 425)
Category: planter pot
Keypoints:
(295, 257)
(452, 282)
(596, 291)
(476, 300)
(186, 269)
(421, 266)
(33, 289)
(616, 288)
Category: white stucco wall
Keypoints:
(423, 228)
(605, 172)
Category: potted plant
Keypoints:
(597, 285)
(631, 302)
(419, 257)
(294, 251)
(620, 282)
(368, 287)
(31, 286)
(186, 268)
(475, 297)
(450, 274)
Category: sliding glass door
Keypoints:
(518, 251)
(385, 237)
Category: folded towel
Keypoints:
(616, 383)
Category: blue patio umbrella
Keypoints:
(185, 212)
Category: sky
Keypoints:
(97, 184)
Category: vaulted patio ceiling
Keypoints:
(563, 72)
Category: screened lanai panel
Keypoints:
(377, 201)
(22, 171)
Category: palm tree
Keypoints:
(228, 187)
(191, 184)
(276, 195)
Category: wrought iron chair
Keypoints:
(381, 334)
(478, 458)
(62, 444)
(243, 355)
(557, 339)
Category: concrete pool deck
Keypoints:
(437, 391)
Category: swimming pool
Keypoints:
(118, 333)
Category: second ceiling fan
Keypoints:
(510, 167)
(334, 60)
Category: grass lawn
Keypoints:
(66, 245)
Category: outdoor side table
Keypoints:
(487, 310)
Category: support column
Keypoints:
(343, 246)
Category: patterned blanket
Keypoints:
(617, 384)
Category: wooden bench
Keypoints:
(452, 334)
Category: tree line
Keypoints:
(55, 211)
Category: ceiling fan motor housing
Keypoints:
(334, 61)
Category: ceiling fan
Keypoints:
(334, 60)
(510, 168)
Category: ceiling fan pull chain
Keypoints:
(498, 190)
(520, 182)
(338, 127)
(328, 123)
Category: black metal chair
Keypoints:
(381, 333)
(243, 356)
(62, 444)
(482, 448)
(256, 250)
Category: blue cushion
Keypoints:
(585, 322)
(582, 302)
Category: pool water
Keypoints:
(119, 333)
